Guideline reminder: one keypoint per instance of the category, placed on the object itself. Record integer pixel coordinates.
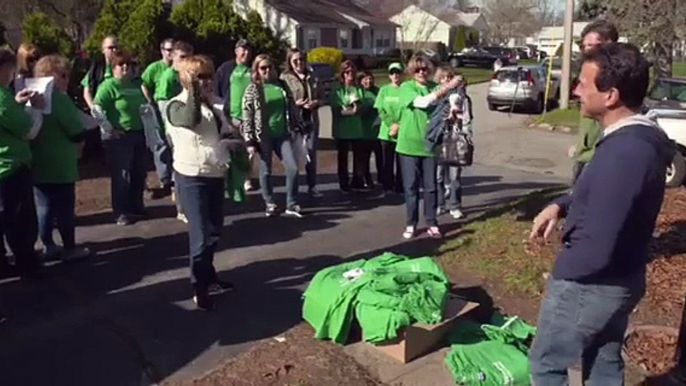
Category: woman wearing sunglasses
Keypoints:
(418, 164)
(270, 122)
(201, 140)
(55, 164)
(117, 105)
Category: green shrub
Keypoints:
(113, 16)
(46, 35)
(144, 29)
(263, 39)
(460, 39)
(326, 55)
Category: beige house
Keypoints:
(308, 24)
(419, 25)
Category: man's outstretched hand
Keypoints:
(545, 222)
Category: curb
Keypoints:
(547, 127)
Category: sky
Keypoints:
(559, 4)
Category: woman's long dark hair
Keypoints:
(289, 66)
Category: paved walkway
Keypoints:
(125, 317)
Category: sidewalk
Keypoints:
(125, 317)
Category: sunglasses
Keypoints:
(167, 49)
(265, 68)
(395, 72)
(112, 48)
(421, 69)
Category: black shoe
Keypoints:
(140, 215)
(3, 318)
(124, 220)
(203, 300)
(219, 287)
(161, 193)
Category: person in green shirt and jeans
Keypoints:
(347, 127)
(17, 127)
(161, 153)
(594, 34)
(270, 123)
(117, 106)
(418, 164)
(370, 128)
(388, 105)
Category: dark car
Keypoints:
(481, 57)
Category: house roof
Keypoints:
(384, 8)
(556, 33)
(455, 17)
(335, 12)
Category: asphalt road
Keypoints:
(125, 316)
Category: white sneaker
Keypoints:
(457, 214)
(248, 186)
(409, 232)
(294, 211)
(440, 211)
(270, 211)
(182, 217)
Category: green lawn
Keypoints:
(679, 69)
(569, 117)
(473, 75)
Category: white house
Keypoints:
(418, 25)
(551, 38)
(308, 24)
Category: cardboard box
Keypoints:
(419, 339)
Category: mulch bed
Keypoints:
(652, 350)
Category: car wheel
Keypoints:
(676, 171)
(539, 105)
(492, 107)
(455, 62)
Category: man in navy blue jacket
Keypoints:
(599, 276)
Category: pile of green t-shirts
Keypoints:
(384, 294)
(492, 354)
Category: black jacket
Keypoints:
(221, 83)
(96, 74)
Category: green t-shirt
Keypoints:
(388, 106)
(346, 126)
(108, 74)
(152, 75)
(168, 85)
(55, 155)
(414, 121)
(590, 133)
(239, 81)
(275, 100)
(15, 124)
(370, 124)
(121, 100)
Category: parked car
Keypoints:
(325, 77)
(479, 57)
(666, 101)
(523, 87)
(510, 54)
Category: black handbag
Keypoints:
(457, 149)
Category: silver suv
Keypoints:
(523, 86)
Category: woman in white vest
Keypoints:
(201, 141)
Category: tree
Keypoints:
(262, 37)
(46, 35)
(510, 19)
(211, 25)
(144, 29)
(654, 25)
(589, 10)
(114, 15)
(74, 16)
(460, 39)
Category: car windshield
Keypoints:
(668, 90)
(493, 50)
(511, 75)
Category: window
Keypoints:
(343, 38)
(357, 39)
(311, 39)
(383, 40)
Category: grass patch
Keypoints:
(568, 117)
(679, 69)
(473, 75)
(495, 246)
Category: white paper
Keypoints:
(42, 85)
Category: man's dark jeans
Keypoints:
(391, 176)
(312, 144)
(371, 147)
(584, 323)
(343, 147)
(18, 219)
(127, 158)
(202, 200)
(55, 204)
(418, 170)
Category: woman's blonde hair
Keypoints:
(192, 66)
(256, 78)
(27, 56)
(417, 61)
(52, 65)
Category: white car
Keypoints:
(522, 86)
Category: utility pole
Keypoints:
(567, 55)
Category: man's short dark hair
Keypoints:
(604, 28)
(621, 66)
(167, 41)
(183, 46)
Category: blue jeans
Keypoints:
(202, 200)
(163, 163)
(312, 144)
(283, 148)
(449, 180)
(584, 323)
(128, 172)
(55, 204)
(418, 170)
